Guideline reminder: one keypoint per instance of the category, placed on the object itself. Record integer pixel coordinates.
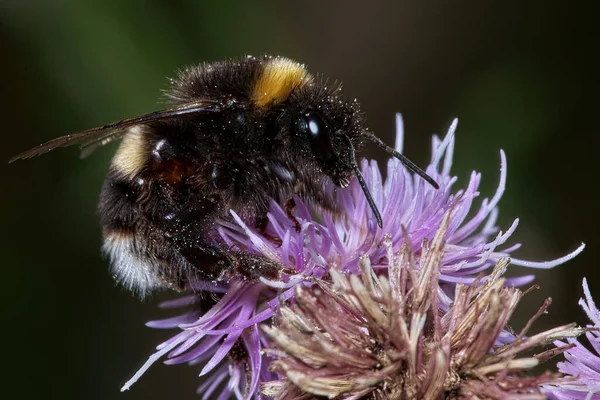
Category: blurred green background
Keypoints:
(522, 77)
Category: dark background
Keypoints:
(522, 77)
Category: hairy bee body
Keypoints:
(172, 181)
(239, 133)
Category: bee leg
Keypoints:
(213, 263)
(255, 267)
(290, 206)
(261, 227)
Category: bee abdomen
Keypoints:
(129, 265)
(127, 231)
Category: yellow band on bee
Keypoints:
(131, 157)
(278, 79)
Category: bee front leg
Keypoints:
(261, 227)
(255, 267)
(290, 207)
(214, 263)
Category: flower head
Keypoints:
(581, 364)
(378, 337)
(412, 212)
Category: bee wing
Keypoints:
(91, 139)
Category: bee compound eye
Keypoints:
(220, 178)
(318, 135)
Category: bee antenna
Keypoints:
(363, 184)
(407, 163)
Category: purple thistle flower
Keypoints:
(581, 364)
(379, 337)
(410, 208)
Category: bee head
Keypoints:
(329, 141)
(328, 130)
(331, 129)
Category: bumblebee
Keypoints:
(239, 133)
